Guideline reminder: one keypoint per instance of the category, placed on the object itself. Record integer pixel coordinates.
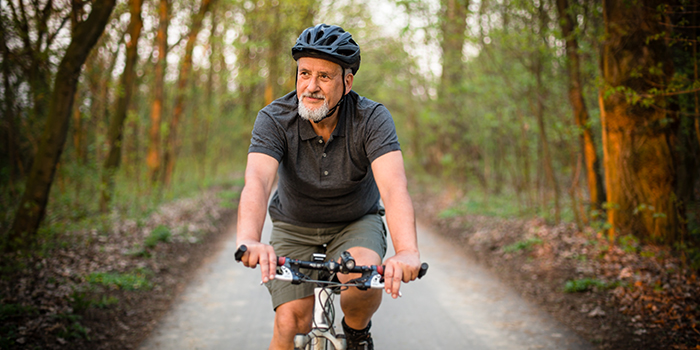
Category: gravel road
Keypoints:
(457, 305)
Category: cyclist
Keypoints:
(335, 153)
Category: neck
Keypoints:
(325, 127)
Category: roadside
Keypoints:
(623, 296)
(108, 289)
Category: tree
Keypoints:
(639, 123)
(116, 127)
(581, 118)
(33, 204)
(173, 142)
(153, 158)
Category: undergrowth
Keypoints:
(74, 200)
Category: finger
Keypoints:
(273, 265)
(388, 276)
(396, 283)
(409, 275)
(264, 267)
(244, 259)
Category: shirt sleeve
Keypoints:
(268, 137)
(381, 134)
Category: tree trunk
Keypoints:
(173, 143)
(586, 139)
(33, 204)
(116, 127)
(548, 167)
(153, 158)
(639, 136)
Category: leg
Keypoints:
(359, 305)
(291, 318)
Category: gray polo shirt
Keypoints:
(324, 184)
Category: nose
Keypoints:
(313, 85)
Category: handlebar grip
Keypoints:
(239, 253)
(423, 270)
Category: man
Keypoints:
(333, 164)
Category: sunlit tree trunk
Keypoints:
(116, 127)
(639, 127)
(586, 138)
(173, 142)
(33, 204)
(153, 158)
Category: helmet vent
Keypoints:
(328, 42)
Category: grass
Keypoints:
(125, 281)
(506, 205)
(8, 330)
(159, 234)
(81, 301)
(522, 245)
(229, 199)
(586, 284)
(15, 310)
(74, 201)
(74, 330)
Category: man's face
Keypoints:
(319, 86)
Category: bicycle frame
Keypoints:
(322, 334)
(322, 331)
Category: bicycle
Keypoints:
(322, 335)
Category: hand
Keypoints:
(403, 266)
(260, 254)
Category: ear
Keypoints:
(349, 78)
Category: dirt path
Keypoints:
(457, 305)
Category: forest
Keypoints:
(578, 111)
(584, 111)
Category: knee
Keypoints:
(290, 321)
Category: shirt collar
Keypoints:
(306, 131)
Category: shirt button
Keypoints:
(325, 173)
(324, 155)
(320, 141)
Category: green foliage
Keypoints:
(74, 330)
(8, 311)
(159, 234)
(629, 243)
(126, 281)
(525, 245)
(586, 284)
(229, 199)
(81, 301)
(8, 329)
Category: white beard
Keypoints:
(313, 114)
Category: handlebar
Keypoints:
(372, 275)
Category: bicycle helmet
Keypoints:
(328, 42)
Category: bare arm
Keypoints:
(390, 176)
(259, 179)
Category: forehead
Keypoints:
(317, 65)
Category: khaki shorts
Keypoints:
(301, 243)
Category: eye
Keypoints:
(324, 76)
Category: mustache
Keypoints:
(314, 95)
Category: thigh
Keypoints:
(293, 242)
(368, 232)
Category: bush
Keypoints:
(159, 234)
